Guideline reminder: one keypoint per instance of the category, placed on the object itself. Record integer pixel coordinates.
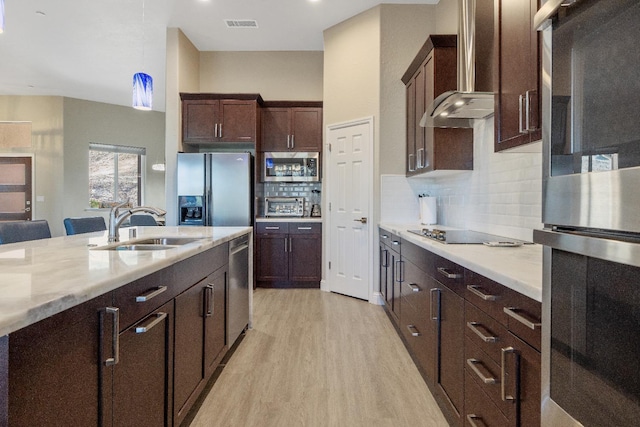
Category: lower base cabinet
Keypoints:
(137, 356)
(475, 342)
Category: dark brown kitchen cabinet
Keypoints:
(54, 371)
(502, 351)
(199, 339)
(288, 254)
(432, 72)
(386, 263)
(217, 118)
(517, 80)
(142, 377)
(291, 126)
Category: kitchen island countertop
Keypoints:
(41, 278)
(518, 268)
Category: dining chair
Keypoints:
(22, 231)
(84, 225)
(142, 220)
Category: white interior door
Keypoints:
(349, 202)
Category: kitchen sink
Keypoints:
(151, 244)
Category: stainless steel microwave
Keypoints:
(291, 167)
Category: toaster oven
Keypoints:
(283, 206)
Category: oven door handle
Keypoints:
(542, 18)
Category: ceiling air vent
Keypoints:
(241, 23)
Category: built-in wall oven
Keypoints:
(591, 212)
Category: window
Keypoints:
(115, 174)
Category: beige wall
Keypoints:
(183, 75)
(447, 17)
(292, 75)
(46, 115)
(87, 121)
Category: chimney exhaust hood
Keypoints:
(475, 55)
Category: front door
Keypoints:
(349, 202)
(15, 189)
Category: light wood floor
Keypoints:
(319, 359)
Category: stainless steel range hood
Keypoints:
(461, 107)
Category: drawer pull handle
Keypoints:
(474, 327)
(157, 318)
(432, 292)
(511, 311)
(473, 365)
(414, 331)
(115, 339)
(151, 294)
(414, 287)
(304, 228)
(271, 228)
(472, 420)
(476, 291)
(384, 236)
(208, 300)
(449, 275)
(395, 242)
(503, 368)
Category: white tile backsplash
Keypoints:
(502, 195)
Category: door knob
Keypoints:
(362, 220)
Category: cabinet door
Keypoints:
(522, 377)
(306, 129)
(238, 121)
(275, 129)
(304, 257)
(143, 375)
(421, 79)
(450, 370)
(54, 368)
(199, 120)
(273, 257)
(411, 127)
(518, 94)
(214, 319)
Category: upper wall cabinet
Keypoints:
(292, 126)
(214, 118)
(517, 81)
(432, 72)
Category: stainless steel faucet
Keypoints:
(116, 218)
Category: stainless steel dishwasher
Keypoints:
(238, 289)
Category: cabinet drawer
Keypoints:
(484, 331)
(139, 298)
(305, 228)
(518, 313)
(449, 274)
(272, 228)
(487, 375)
(419, 335)
(422, 258)
(478, 407)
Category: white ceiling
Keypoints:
(90, 49)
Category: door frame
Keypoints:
(375, 296)
(33, 178)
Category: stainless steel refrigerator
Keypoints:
(215, 189)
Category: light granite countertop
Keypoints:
(518, 268)
(289, 219)
(41, 278)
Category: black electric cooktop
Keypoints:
(466, 237)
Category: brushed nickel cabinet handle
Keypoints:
(220, 130)
(520, 110)
(503, 371)
(385, 263)
(476, 291)
(286, 241)
(384, 236)
(414, 287)
(151, 294)
(215, 131)
(419, 157)
(414, 331)
(208, 300)
(449, 275)
(147, 326)
(511, 311)
(472, 420)
(474, 327)
(473, 365)
(395, 242)
(411, 169)
(272, 227)
(305, 228)
(431, 293)
(293, 141)
(115, 341)
(400, 270)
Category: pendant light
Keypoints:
(142, 82)
(1, 16)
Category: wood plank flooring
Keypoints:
(318, 359)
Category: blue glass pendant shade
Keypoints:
(1, 16)
(142, 91)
